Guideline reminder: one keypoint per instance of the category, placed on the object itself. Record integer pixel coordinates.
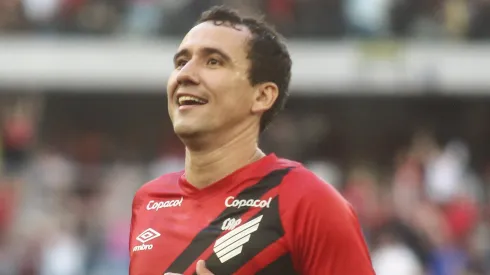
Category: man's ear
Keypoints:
(264, 97)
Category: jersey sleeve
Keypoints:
(321, 228)
(135, 205)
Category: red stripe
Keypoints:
(264, 258)
(245, 218)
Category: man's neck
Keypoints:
(204, 167)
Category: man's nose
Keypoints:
(188, 74)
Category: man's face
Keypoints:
(209, 89)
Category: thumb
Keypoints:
(201, 268)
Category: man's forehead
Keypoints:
(208, 34)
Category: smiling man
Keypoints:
(235, 208)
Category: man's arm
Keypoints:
(134, 207)
(322, 230)
(200, 269)
(133, 218)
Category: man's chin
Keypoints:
(186, 131)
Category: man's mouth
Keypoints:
(188, 100)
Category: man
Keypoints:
(240, 211)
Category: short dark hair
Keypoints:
(269, 56)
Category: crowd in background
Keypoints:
(65, 202)
(452, 19)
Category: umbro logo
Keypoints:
(147, 235)
(231, 244)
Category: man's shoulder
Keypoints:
(299, 176)
(165, 183)
(286, 163)
(302, 184)
(304, 193)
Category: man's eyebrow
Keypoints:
(205, 51)
(181, 53)
(211, 51)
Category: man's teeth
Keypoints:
(186, 99)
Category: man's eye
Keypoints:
(213, 62)
(180, 63)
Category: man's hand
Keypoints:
(200, 269)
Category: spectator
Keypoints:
(144, 17)
(457, 17)
(281, 14)
(99, 16)
(445, 171)
(480, 21)
(42, 14)
(369, 18)
(393, 257)
(12, 17)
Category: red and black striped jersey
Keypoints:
(270, 217)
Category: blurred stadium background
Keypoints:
(390, 104)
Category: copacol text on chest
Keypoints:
(157, 205)
(231, 202)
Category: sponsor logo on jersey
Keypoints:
(231, 202)
(146, 236)
(230, 224)
(231, 244)
(157, 205)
